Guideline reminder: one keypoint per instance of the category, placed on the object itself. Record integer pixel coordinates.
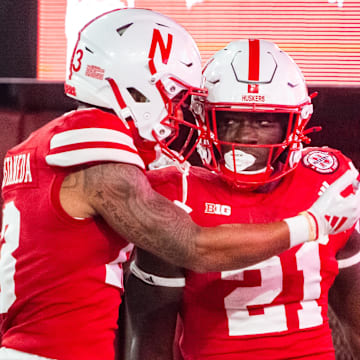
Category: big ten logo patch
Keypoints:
(217, 209)
(321, 161)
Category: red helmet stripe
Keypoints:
(254, 59)
(117, 93)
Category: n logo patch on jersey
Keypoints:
(322, 162)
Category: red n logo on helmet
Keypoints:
(164, 50)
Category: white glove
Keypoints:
(338, 207)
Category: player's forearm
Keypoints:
(228, 247)
(177, 239)
(134, 210)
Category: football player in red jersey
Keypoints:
(257, 110)
(76, 197)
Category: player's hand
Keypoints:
(338, 206)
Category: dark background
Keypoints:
(18, 38)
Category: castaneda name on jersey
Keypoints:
(17, 169)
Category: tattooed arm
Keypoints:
(122, 195)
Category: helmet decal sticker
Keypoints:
(164, 50)
(69, 90)
(76, 64)
(95, 72)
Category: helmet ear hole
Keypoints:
(121, 30)
(137, 95)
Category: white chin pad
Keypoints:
(243, 160)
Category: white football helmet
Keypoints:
(253, 76)
(143, 66)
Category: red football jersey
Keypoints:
(61, 277)
(276, 309)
